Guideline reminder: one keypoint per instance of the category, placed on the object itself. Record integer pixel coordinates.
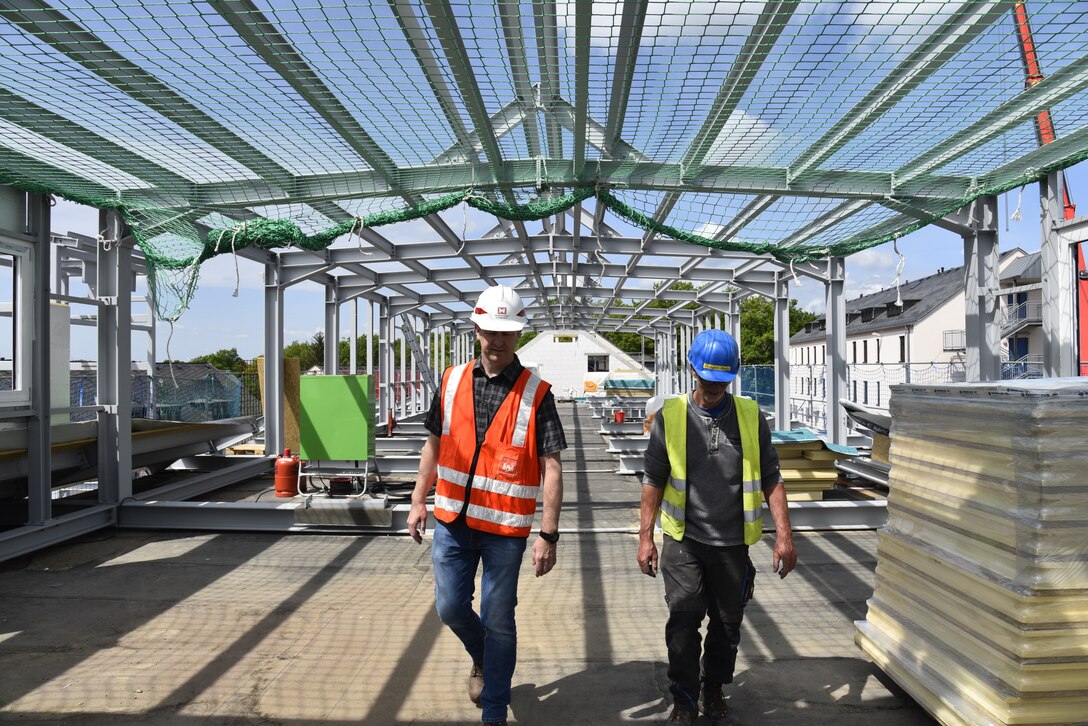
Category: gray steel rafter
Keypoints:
(277, 51)
(627, 44)
(84, 47)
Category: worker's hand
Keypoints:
(544, 556)
(417, 521)
(647, 557)
(785, 556)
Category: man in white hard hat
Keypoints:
(708, 467)
(494, 446)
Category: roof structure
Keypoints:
(1028, 268)
(879, 310)
(739, 140)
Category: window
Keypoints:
(865, 351)
(597, 363)
(902, 349)
(16, 274)
(854, 345)
(564, 338)
(823, 355)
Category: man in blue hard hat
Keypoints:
(709, 466)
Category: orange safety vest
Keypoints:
(504, 484)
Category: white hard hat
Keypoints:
(499, 309)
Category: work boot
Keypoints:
(682, 716)
(496, 723)
(716, 709)
(476, 682)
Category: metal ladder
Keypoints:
(422, 364)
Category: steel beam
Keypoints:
(514, 173)
(51, 26)
(632, 19)
(31, 538)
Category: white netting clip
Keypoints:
(898, 273)
(1016, 216)
(237, 275)
(170, 358)
(357, 232)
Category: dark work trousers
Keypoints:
(703, 580)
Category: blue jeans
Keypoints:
(491, 637)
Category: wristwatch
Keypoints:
(551, 537)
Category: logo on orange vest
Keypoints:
(508, 466)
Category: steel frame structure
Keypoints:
(576, 270)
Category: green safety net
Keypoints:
(795, 130)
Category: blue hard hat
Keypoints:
(715, 356)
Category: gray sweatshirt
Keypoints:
(714, 510)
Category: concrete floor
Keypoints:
(203, 628)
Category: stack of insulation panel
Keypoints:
(807, 463)
(981, 603)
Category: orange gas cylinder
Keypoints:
(287, 468)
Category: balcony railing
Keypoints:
(955, 340)
(1031, 312)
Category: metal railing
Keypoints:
(955, 340)
(1030, 312)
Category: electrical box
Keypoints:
(336, 418)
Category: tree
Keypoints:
(224, 359)
(757, 328)
(310, 353)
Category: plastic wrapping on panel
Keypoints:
(981, 601)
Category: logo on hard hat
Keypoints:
(715, 367)
(500, 311)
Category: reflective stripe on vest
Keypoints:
(504, 487)
(674, 498)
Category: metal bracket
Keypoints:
(109, 408)
(107, 299)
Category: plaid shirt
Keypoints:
(489, 393)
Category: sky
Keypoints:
(217, 319)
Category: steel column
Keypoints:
(332, 329)
(370, 340)
(980, 256)
(36, 280)
(385, 360)
(273, 357)
(732, 319)
(1059, 270)
(782, 414)
(114, 362)
(353, 342)
(835, 340)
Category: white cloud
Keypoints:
(858, 288)
(219, 271)
(666, 22)
(874, 260)
(744, 140)
(709, 229)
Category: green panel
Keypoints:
(337, 418)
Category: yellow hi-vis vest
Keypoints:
(675, 418)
